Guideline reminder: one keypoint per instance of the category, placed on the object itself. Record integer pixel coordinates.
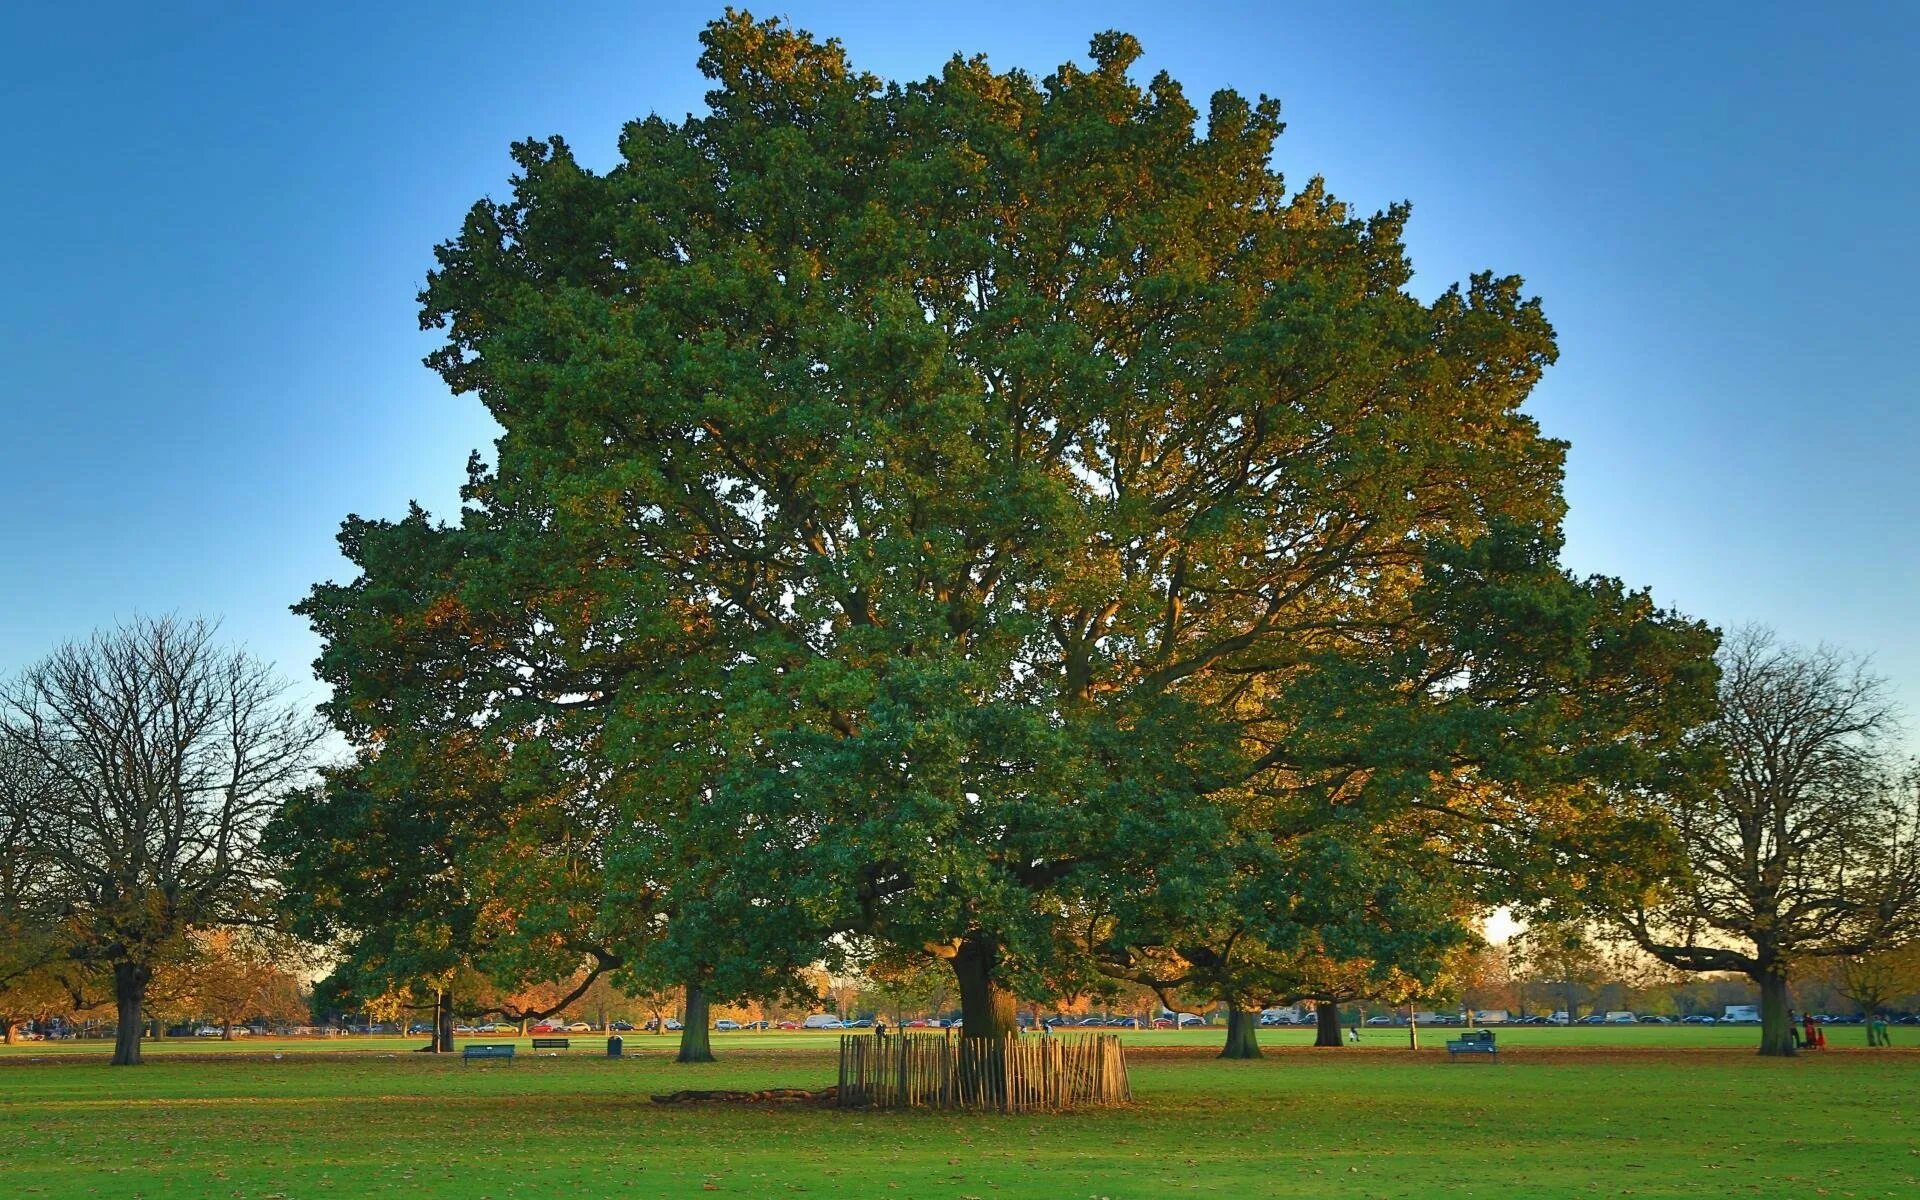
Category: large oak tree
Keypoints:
(935, 512)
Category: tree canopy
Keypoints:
(1002, 519)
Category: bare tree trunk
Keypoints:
(129, 997)
(987, 1008)
(1326, 1019)
(1776, 1029)
(226, 1029)
(443, 1022)
(1243, 1033)
(696, 1045)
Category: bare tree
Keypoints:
(1807, 845)
(163, 754)
(1873, 981)
(27, 916)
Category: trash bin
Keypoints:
(613, 1047)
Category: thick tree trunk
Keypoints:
(1243, 1033)
(12, 1029)
(695, 1044)
(129, 997)
(1776, 1029)
(226, 1031)
(1326, 1019)
(987, 1008)
(443, 1023)
(989, 1014)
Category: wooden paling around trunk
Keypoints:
(1012, 1074)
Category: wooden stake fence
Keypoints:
(1014, 1074)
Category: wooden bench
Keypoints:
(1480, 1041)
(485, 1050)
(550, 1043)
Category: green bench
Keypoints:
(1480, 1041)
(550, 1043)
(485, 1050)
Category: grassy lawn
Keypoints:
(1641, 1112)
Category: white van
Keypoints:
(823, 1021)
(1741, 1014)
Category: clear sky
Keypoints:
(216, 218)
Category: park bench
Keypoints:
(550, 1043)
(484, 1050)
(1480, 1041)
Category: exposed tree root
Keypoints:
(824, 1095)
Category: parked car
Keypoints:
(787, 1025)
(548, 1027)
(420, 1027)
(1697, 1019)
(1652, 1019)
(1592, 1019)
(1125, 1022)
(862, 1023)
(1378, 1021)
(1163, 1022)
(726, 1025)
(207, 1031)
(621, 1027)
(822, 1021)
(579, 1027)
(1190, 1020)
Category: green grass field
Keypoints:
(1600, 1112)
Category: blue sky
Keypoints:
(217, 217)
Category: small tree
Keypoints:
(1876, 979)
(164, 755)
(1805, 846)
(232, 977)
(31, 996)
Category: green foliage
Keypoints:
(992, 516)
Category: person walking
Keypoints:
(1793, 1027)
(1812, 1040)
